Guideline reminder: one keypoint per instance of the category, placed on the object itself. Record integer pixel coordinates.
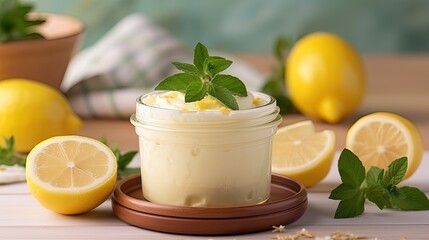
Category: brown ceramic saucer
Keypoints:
(287, 203)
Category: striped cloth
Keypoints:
(104, 80)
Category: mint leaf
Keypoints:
(379, 187)
(224, 95)
(274, 87)
(200, 55)
(275, 83)
(378, 194)
(195, 91)
(351, 207)
(186, 68)
(178, 82)
(8, 154)
(203, 79)
(127, 171)
(374, 175)
(123, 159)
(233, 84)
(344, 192)
(213, 66)
(350, 168)
(396, 171)
(409, 198)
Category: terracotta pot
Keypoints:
(43, 60)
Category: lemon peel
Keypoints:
(325, 77)
(382, 137)
(71, 174)
(32, 112)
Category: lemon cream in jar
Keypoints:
(202, 153)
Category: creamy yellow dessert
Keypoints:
(202, 153)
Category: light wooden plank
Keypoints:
(24, 210)
(14, 188)
(128, 232)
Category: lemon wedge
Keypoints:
(71, 174)
(302, 153)
(380, 138)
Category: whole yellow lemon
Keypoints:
(32, 112)
(325, 77)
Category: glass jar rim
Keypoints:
(274, 121)
(150, 113)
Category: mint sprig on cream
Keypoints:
(203, 78)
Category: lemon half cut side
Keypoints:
(71, 174)
(302, 153)
(380, 138)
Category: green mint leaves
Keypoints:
(14, 23)
(123, 159)
(275, 84)
(8, 154)
(377, 185)
(202, 78)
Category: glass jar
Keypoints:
(206, 158)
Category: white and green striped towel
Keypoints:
(104, 80)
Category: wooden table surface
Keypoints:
(394, 83)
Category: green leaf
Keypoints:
(378, 194)
(14, 23)
(186, 67)
(233, 84)
(223, 95)
(396, 171)
(177, 82)
(202, 78)
(378, 187)
(285, 104)
(351, 170)
(344, 192)
(213, 66)
(196, 91)
(409, 198)
(374, 175)
(125, 159)
(275, 88)
(200, 55)
(351, 207)
(281, 45)
(128, 171)
(8, 154)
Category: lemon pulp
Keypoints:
(302, 153)
(71, 174)
(380, 138)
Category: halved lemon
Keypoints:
(302, 153)
(380, 138)
(71, 174)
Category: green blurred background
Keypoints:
(251, 26)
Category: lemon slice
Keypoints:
(71, 174)
(380, 138)
(302, 153)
